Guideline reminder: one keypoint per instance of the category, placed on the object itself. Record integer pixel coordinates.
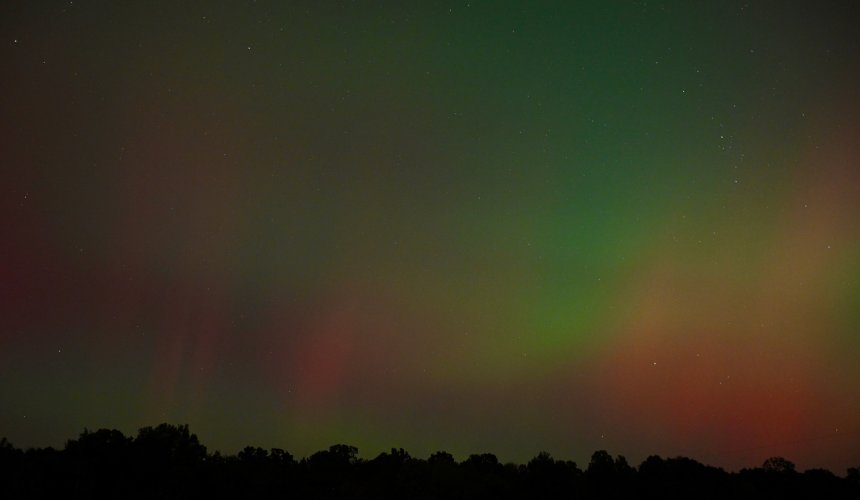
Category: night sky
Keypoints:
(467, 226)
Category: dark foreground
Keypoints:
(169, 462)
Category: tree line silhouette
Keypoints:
(168, 461)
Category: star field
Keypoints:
(470, 226)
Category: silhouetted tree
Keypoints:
(441, 457)
(6, 447)
(778, 464)
(389, 475)
(100, 463)
(545, 477)
(46, 474)
(601, 465)
(172, 444)
(608, 477)
(680, 477)
(281, 457)
(253, 456)
(9, 455)
(11, 466)
(485, 476)
(442, 476)
(169, 462)
(776, 476)
(329, 471)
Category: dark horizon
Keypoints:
(169, 461)
(184, 430)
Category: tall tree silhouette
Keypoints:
(100, 463)
(168, 458)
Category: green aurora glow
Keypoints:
(471, 226)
